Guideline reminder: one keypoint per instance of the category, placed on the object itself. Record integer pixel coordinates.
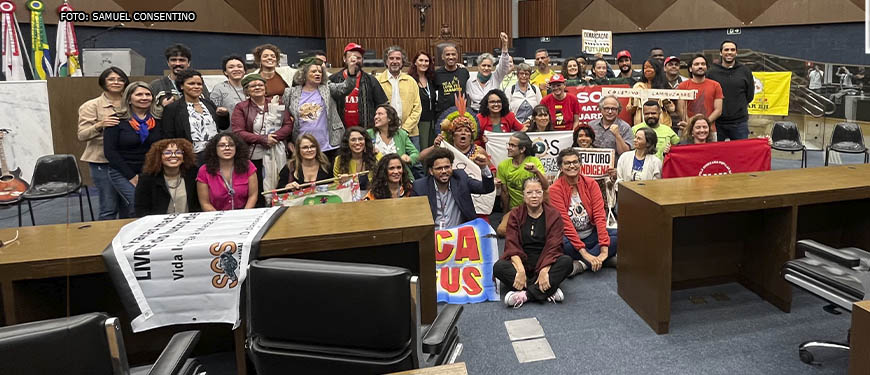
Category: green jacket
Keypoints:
(403, 146)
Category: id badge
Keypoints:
(441, 225)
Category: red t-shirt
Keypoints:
(562, 111)
(708, 92)
(351, 104)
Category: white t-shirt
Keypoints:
(579, 217)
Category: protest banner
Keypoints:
(546, 145)
(185, 268)
(483, 203)
(595, 162)
(717, 158)
(590, 96)
(772, 91)
(464, 256)
(595, 42)
(335, 192)
(645, 94)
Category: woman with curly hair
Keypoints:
(278, 78)
(167, 184)
(390, 138)
(391, 179)
(228, 179)
(357, 153)
(495, 115)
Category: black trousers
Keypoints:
(261, 200)
(505, 272)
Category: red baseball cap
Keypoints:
(623, 53)
(354, 47)
(557, 78)
(671, 58)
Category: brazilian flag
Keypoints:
(39, 41)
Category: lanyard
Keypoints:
(230, 190)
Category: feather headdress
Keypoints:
(456, 117)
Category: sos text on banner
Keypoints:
(590, 96)
(185, 268)
(464, 256)
(710, 159)
(546, 147)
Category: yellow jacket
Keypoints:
(410, 94)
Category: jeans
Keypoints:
(109, 198)
(125, 190)
(733, 132)
(592, 246)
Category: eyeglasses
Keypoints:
(226, 145)
(169, 154)
(308, 148)
(610, 109)
(569, 163)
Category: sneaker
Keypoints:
(558, 296)
(515, 299)
(611, 262)
(578, 268)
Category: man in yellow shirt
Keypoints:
(541, 76)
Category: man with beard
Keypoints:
(564, 107)
(672, 72)
(178, 58)
(541, 76)
(402, 90)
(738, 87)
(626, 74)
(227, 94)
(666, 135)
(449, 191)
(450, 79)
(708, 94)
(610, 130)
(358, 107)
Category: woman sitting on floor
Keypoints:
(167, 184)
(228, 179)
(533, 264)
(578, 200)
(391, 179)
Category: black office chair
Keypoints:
(317, 317)
(88, 344)
(840, 277)
(786, 137)
(55, 176)
(848, 139)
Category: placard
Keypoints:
(464, 256)
(595, 42)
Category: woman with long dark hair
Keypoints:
(653, 78)
(390, 138)
(391, 179)
(167, 184)
(495, 115)
(356, 154)
(227, 180)
(423, 71)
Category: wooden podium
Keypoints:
(695, 231)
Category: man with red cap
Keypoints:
(358, 107)
(630, 76)
(672, 72)
(564, 107)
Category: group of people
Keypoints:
(173, 146)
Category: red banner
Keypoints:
(748, 155)
(589, 96)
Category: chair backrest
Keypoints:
(847, 135)
(61, 168)
(785, 134)
(330, 304)
(71, 346)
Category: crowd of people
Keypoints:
(173, 146)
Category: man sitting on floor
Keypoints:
(449, 190)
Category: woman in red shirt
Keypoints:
(495, 109)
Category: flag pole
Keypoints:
(265, 193)
(24, 47)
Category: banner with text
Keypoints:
(464, 256)
(320, 194)
(546, 145)
(595, 42)
(185, 268)
(747, 155)
(644, 94)
(590, 96)
(772, 91)
(483, 203)
(595, 162)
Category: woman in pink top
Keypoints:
(227, 180)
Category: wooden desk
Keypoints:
(859, 347)
(453, 369)
(695, 231)
(394, 232)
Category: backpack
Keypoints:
(514, 89)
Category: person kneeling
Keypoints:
(533, 263)
(578, 200)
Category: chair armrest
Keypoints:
(828, 253)
(436, 335)
(174, 356)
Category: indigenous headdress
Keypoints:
(456, 117)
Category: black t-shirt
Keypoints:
(534, 236)
(447, 84)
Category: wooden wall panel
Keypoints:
(537, 18)
(292, 17)
(476, 23)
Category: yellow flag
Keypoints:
(771, 93)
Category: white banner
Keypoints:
(595, 162)
(546, 145)
(597, 42)
(483, 203)
(188, 268)
(649, 94)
